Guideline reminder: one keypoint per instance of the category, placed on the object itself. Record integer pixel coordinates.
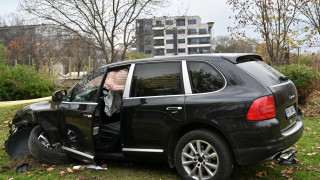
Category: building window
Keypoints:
(181, 50)
(181, 22)
(159, 42)
(192, 41)
(192, 50)
(148, 24)
(169, 50)
(202, 31)
(169, 22)
(158, 33)
(148, 51)
(192, 21)
(204, 50)
(158, 23)
(159, 52)
(169, 32)
(204, 41)
(192, 31)
(169, 41)
(181, 41)
(181, 31)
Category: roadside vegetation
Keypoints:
(23, 82)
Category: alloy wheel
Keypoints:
(200, 160)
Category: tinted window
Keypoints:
(202, 31)
(192, 41)
(158, 23)
(159, 42)
(263, 72)
(181, 50)
(169, 22)
(169, 50)
(87, 88)
(181, 22)
(181, 31)
(192, 21)
(192, 31)
(156, 79)
(204, 78)
(181, 41)
(204, 41)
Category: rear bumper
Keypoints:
(256, 154)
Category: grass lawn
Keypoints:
(308, 168)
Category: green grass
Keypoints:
(308, 168)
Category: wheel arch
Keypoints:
(182, 130)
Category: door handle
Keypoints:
(173, 108)
(87, 116)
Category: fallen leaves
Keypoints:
(69, 170)
(29, 174)
(308, 129)
(287, 172)
(51, 168)
(104, 165)
(312, 154)
(259, 174)
(61, 173)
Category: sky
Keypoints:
(208, 10)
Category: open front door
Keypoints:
(78, 115)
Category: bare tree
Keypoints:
(310, 9)
(78, 50)
(108, 22)
(273, 19)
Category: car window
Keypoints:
(204, 78)
(262, 72)
(156, 79)
(87, 88)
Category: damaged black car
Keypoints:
(200, 113)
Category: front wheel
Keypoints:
(41, 149)
(203, 155)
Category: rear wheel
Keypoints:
(41, 149)
(201, 154)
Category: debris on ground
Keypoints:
(287, 157)
(81, 167)
(23, 168)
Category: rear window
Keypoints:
(262, 72)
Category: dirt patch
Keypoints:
(312, 108)
(13, 164)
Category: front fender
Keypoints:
(43, 114)
(25, 117)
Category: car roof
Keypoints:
(232, 57)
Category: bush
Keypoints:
(135, 56)
(22, 82)
(305, 78)
(304, 59)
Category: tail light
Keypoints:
(262, 108)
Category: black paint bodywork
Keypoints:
(144, 122)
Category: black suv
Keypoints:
(200, 113)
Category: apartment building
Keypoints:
(178, 35)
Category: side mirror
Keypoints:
(58, 96)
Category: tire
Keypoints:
(42, 153)
(218, 165)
